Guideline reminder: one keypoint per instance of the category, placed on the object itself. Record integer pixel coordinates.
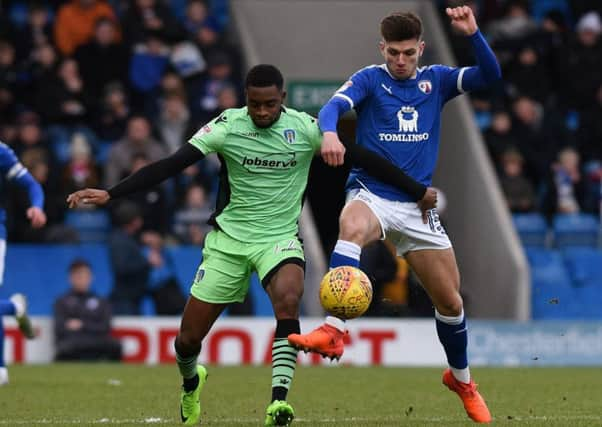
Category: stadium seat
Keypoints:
(91, 225)
(552, 290)
(575, 230)
(585, 266)
(531, 228)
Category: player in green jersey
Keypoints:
(266, 150)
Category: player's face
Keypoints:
(264, 104)
(402, 57)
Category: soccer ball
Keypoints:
(345, 292)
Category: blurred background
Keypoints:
(92, 90)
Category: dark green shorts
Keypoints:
(224, 275)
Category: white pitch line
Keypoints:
(348, 420)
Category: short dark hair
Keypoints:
(400, 26)
(264, 75)
(78, 263)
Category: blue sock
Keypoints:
(454, 338)
(6, 307)
(345, 253)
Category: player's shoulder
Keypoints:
(290, 114)
(368, 71)
(437, 69)
(230, 115)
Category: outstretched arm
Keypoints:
(35, 212)
(144, 178)
(488, 69)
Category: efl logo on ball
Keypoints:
(345, 292)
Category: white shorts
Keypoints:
(401, 223)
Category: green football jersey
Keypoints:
(264, 171)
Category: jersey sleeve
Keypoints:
(356, 88)
(450, 79)
(10, 166)
(210, 138)
(312, 131)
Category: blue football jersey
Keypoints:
(400, 120)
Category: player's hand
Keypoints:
(88, 196)
(462, 20)
(36, 216)
(333, 150)
(428, 202)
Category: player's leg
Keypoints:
(196, 322)
(222, 278)
(438, 272)
(285, 289)
(359, 224)
(280, 266)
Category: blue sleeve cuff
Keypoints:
(36, 194)
(330, 113)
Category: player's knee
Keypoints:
(287, 305)
(353, 228)
(187, 345)
(451, 307)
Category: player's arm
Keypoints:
(17, 173)
(488, 69)
(385, 171)
(146, 177)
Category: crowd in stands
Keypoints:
(92, 90)
(542, 125)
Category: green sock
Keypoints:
(284, 360)
(187, 365)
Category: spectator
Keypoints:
(152, 202)
(63, 99)
(583, 61)
(36, 32)
(82, 321)
(81, 171)
(567, 187)
(137, 140)
(93, 57)
(75, 21)
(527, 75)
(148, 63)
(518, 190)
(163, 283)
(149, 17)
(174, 122)
(114, 112)
(500, 135)
(130, 266)
(190, 221)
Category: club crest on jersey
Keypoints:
(203, 131)
(408, 119)
(289, 135)
(425, 86)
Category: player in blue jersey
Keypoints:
(12, 171)
(398, 107)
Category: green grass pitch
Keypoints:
(128, 395)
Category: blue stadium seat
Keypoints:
(575, 230)
(551, 286)
(91, 225)
(585, 266)
(531, 228)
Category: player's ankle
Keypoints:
(336, 323)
